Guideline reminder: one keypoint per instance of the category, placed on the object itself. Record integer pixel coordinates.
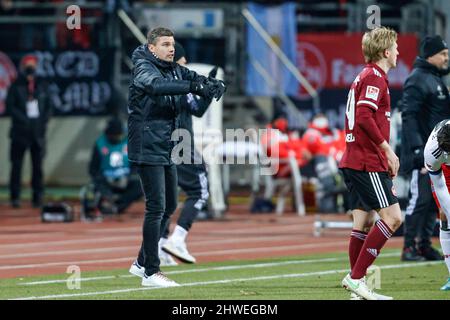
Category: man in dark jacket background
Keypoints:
(29, 104)
(425, 103)
(155, 92)
(192, 177)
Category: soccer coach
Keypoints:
(155, 91)
(425, 102)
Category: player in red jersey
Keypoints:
(286, 142)
(322, 140)
(369, 164)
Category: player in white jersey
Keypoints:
(437, 162)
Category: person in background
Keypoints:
(425, 102)
(326, 145)
(157, 88)
(369, 164)
(279, 137)
(436, 161)
(29, 105)
(192, 178)
(114, 182)
(321, 140)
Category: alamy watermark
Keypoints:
(374, 19)
(73, 282)
(253, 146)
(74, 20)
(373, 277)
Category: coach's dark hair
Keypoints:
(443, 138)
(154, 34)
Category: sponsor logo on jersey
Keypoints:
(349, 137)
(372, 92)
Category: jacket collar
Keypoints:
(421, 63)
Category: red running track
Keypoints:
(29, 247)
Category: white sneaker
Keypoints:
(137, 269)
(359, 287)
(354, 296)
(379, 296)
(179, 250)
(166, 259)
(158, 279)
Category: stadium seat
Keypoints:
(286, 184)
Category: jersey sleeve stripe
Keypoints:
(368, 103)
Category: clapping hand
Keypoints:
(203, 89)
(218, 87)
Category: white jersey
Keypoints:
(434, 156)
(434, 159)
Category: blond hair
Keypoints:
(375, 41)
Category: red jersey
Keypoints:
(368, 90)
(286, 144)
(321, 141)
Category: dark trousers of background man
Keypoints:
(159, 184)
(122, 198)
(17, 153)
(421, 213)
(193, 180)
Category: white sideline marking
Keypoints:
(231, 251)
(66, 252)
(193, 243)
(204, 253)
(65, 263)
(277, 248)
(66, 242)
(223, 268)
(138, 235)
(28, 235)
(246, 229)
(280, 276)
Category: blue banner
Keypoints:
(280, 23)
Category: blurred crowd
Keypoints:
(317, 151)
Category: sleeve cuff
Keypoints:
(367, 103)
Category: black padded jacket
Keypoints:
(156, 93)
(425, 103)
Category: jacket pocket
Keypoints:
(156, 137)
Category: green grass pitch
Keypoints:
(313, 277)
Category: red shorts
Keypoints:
(446, 173)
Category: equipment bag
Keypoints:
(57, 212)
